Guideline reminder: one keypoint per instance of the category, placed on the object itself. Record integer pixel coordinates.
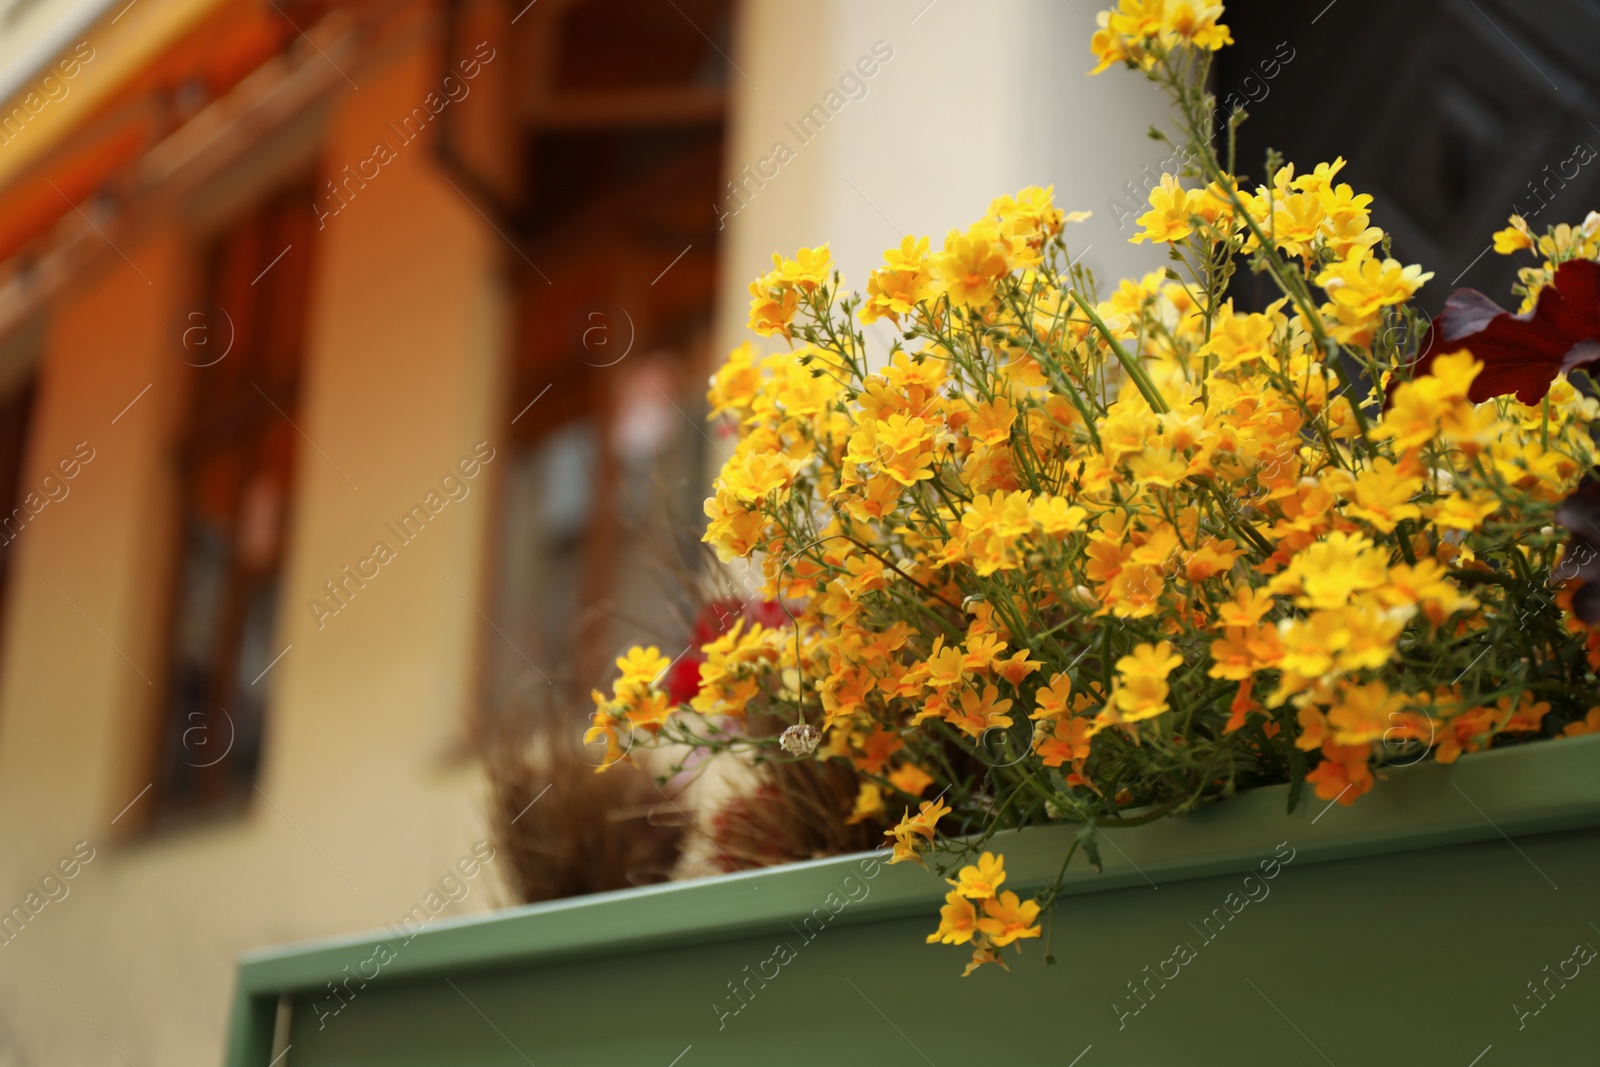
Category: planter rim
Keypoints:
(1539, 787)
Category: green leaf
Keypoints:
(1091, 848)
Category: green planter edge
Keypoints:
(1533, 788)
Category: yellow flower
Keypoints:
(808, 270)
(981, 881)
(869, 804)
(958, 921)
(1369, 633)
(1246, 608)
(1360, 287)
(909, 778)
(1239, 339)
(1155, 661)
(757, 474)
(1110, 47)
(991, 421)
(1297, 221)
(898, 446)
(1436, 405)
(641, 666)
(772, 309)
(970, 265)
(1051, 700)
(1462, 512)
(998, 487)
(1514, 238)
(1158, 466)
(898, 434)
(1125, 32)
(1309, 646)
(1318, 180)
(1382, 494)
(915, 832)
(1054, 516)
(734, 530)
(1367, 713)
(1589, 724)
(1196, 23)
(1032, 213)
(1328, 572)
(735, 383)
(945, 666)
(646, 710)
(1244, 651)
(1171, 209)
(605, 727)
(899, 287)
(982, 648)
(1212, 558)
(983, 951)
(979, 714)
(1007, 919)
(1058, 741)
(775, 296)
(1141, 689)
(1426, 585)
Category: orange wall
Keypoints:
(371, 797)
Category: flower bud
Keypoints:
(800, 740)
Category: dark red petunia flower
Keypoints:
(683, 680)
(1522, 354)
(768, 613)
(1580, 515)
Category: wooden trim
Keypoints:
(647, 106)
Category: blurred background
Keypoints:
(352, 372)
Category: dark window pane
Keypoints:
(236, 466)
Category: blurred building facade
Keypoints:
(351, 372)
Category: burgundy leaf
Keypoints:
(1522, 354)
(1580, 515)
(1586, 602)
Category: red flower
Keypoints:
(768, 613)
(716, 618)
(683, 680)
(1522, 354)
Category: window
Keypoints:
(606, 475)
(235, 464)
(19, 357)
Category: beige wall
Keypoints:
(981, 97)
(365, 720)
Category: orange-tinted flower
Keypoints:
(1343, 772)
(1007, 919)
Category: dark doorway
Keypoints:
(1453, 114)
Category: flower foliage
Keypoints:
(1069, 553)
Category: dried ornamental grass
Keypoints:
(566, 831)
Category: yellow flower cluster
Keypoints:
(1005, 920)
(1564, 242)
(1138, 32)
(1074, 556)
(636, 702)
